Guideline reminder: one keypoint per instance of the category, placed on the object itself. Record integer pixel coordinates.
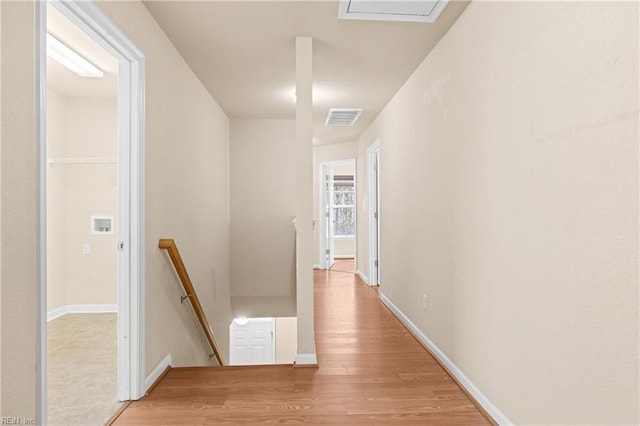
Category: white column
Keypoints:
(304, 201)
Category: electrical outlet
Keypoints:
(424, 302)
(86, 248)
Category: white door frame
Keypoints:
(131, 134)
(373, 207)
(323, 242)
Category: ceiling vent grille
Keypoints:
(342, 116)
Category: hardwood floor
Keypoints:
(372, 371)
(344, 265)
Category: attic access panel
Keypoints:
(392, 10)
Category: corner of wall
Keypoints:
(18, 327)
(157, 372)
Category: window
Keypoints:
(343, 205)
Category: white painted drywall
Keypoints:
(18, 211)
(304, 200)
(509, 194)
(0, 199)
(56, 222)
(263, 188)
(186, 196)
(286, 339)
(344, 247)
(80, 128)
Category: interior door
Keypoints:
(376, 168)
(330, 215)
(374, 213)
(252, 342)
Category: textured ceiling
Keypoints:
(243, 52)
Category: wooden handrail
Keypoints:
(170, 246)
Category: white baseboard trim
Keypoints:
(81, 309)
(316, 266)
(344, 256)
(481, 398)
(363, 277)
(306, 359)
(166, 362)
(56, 313)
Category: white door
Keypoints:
(252, 342)
(374, 213)
(376, 163)
(332, 218)
(329, 215)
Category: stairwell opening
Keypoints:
(262, 341)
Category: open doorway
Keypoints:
(82, 215)
(338, 216)
(90, 228)
(373, 185)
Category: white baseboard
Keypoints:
(56, 313)
(344, 256)
(363, 277)
(481, 398)
(81, 309)
(166, 362)
(316, 266)
(306, 359)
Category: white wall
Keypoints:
(80, 128)
(509, 194)
(0, 200)
(18, 211)
(322, 154)
(57, 106)
(303, 162)
(263, 185)
(344, 248)
(186, 183)
(286, 339)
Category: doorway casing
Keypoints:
(324, 240)
(131, 307)
(373, 212)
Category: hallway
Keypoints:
(371, 371)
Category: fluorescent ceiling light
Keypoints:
(70, 59)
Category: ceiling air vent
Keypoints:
(391, 10)
(342, 116)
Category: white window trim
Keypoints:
(344, 237)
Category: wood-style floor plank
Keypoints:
(371, 371)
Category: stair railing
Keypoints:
(170, 246)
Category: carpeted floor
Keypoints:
(82, 369)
